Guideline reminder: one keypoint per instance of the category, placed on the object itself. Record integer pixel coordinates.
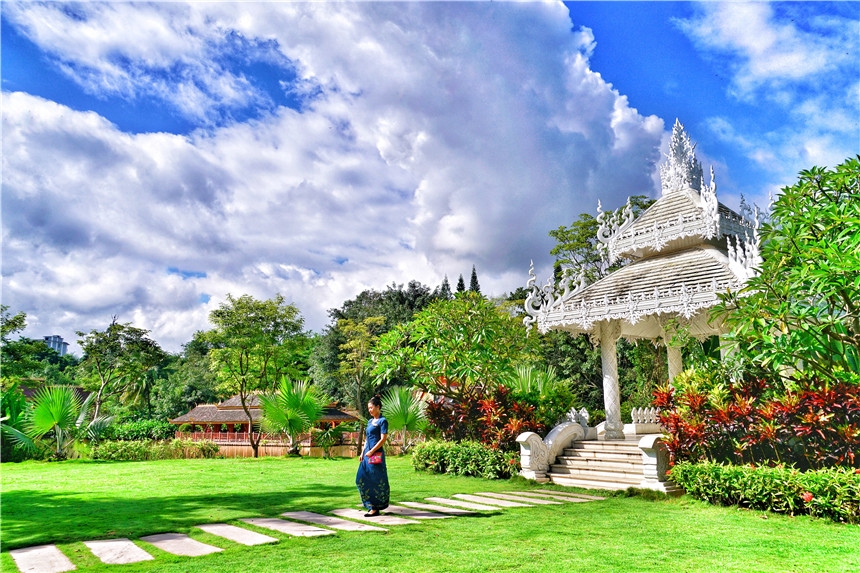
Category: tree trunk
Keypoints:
(255, 445)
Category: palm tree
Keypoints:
(405, 410)
(293, 409)
(57, 410)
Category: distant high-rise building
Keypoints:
(55, 342)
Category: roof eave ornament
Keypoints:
(610, 230)
(540, 301)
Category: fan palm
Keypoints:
(57, 410)
(293, 409)
(405, 411)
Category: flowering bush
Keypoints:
(810, 423)
(831, 493)
(467, 458)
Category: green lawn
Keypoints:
(68, 503)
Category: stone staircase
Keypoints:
(599, 464)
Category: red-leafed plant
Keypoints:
(814, 423)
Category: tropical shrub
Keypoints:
(292, 410)
(141, 450)
(804, 305)
(466, 458)
(141, 430)
(831, 493)
(458, 351)
(56, 419)
(811, 422)
(494, 419)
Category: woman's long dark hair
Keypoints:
(376, 400)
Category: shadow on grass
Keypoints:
(31, 517)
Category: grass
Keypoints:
(67, 503)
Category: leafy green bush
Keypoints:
(141, 430)
(465, 458)
(832, 493)
(140, 450)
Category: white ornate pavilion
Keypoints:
(684, 250)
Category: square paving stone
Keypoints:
(288, 527)
(567, 498)
(180, 544)
(490, 500)
(415, 513)
(461, 503)
(237, 534)
(439, 508)
(328, 521)
(117, 551)
(569, 494)
(380, 519)
(41, 559)
(535, 500)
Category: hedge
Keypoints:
(465, 458)
(832, 493)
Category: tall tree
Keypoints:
(254, 343)
(473, 282)
(116, 357)
(461, 284)
(445, 289)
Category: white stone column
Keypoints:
(725, 352)
(675, 360)
(609, 333)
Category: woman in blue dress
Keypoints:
(372, 477)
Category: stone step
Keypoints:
(595, 463)
(490, 500)
(574, 481)
(413, 513)
(601, 455)
(632, 447)
(607, 475)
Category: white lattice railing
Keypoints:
(645, 415)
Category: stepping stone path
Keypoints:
(380, 519)
(561, 497)
(534, 500)
(49, 559)
(117, 551)
(466, 504)
(180, 544)
(332, 522)
(289, 527)
(440, 508)
(237, 534)
(415, 513)
(488, 500)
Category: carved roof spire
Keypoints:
(681, 169)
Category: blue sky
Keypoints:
(159, 156)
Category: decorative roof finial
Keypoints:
(681, 169)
